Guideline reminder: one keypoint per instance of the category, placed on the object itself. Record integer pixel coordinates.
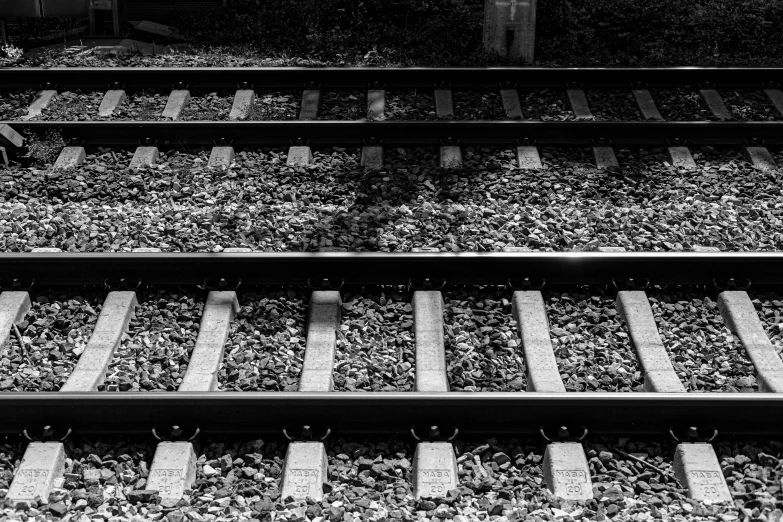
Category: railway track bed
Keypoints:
(631, 432)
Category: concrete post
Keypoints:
(510, 28)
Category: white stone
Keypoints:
(322, 324)
(566, 472)
(90, 370)
(305, 471)
(530, 313)
(697, 468)
(69, 158)
(111, 100)
(219, 311)
(434, 469)
(173, 471)
(430, 345)
(42, 464)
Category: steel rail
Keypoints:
(487, 268)
(337, 78)
(327, 133)
(379, 412)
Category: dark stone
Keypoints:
(264, 506)
(141, 495)
(175, 516)
(58, 509)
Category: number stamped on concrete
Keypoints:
(436, 481)
(305, 482)
(27, 483)
(573, 480)
(167, 481)
(708, 481)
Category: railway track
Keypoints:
(373, 133)
(436, 415)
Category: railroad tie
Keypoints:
(219, 311)
(69, 158)
(299, 156)
(775, 97)
(434, 462)
(311, 102)
(372, 157)
(444, 103)
(376, 104)
(306, 468)
(530, 313)
(430, 344)
(659, 375)
(528, 157)
(8, 136)
(760, 158)
(144, 157)
(243, 104)
(173, 467)
(566, 472)
(604, 157)
(511, 105)
(577, 100)
(681, 158)
(90, 370)
(697, 468)
(221, 157)
(646, 104)
(14, 306)
(715, 103)
(450, 157)
(41, 102)
(42, 464)
(178, 100)
(741, 318)
(111, 100)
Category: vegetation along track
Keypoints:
(507, 117)
(433, 413)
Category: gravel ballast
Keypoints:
(266, 344)
(483, 350)
(701, 348)
(370, 479)
(265, 205)
(50, 340)
(591, 343)
(375, 342)
(154, 355)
